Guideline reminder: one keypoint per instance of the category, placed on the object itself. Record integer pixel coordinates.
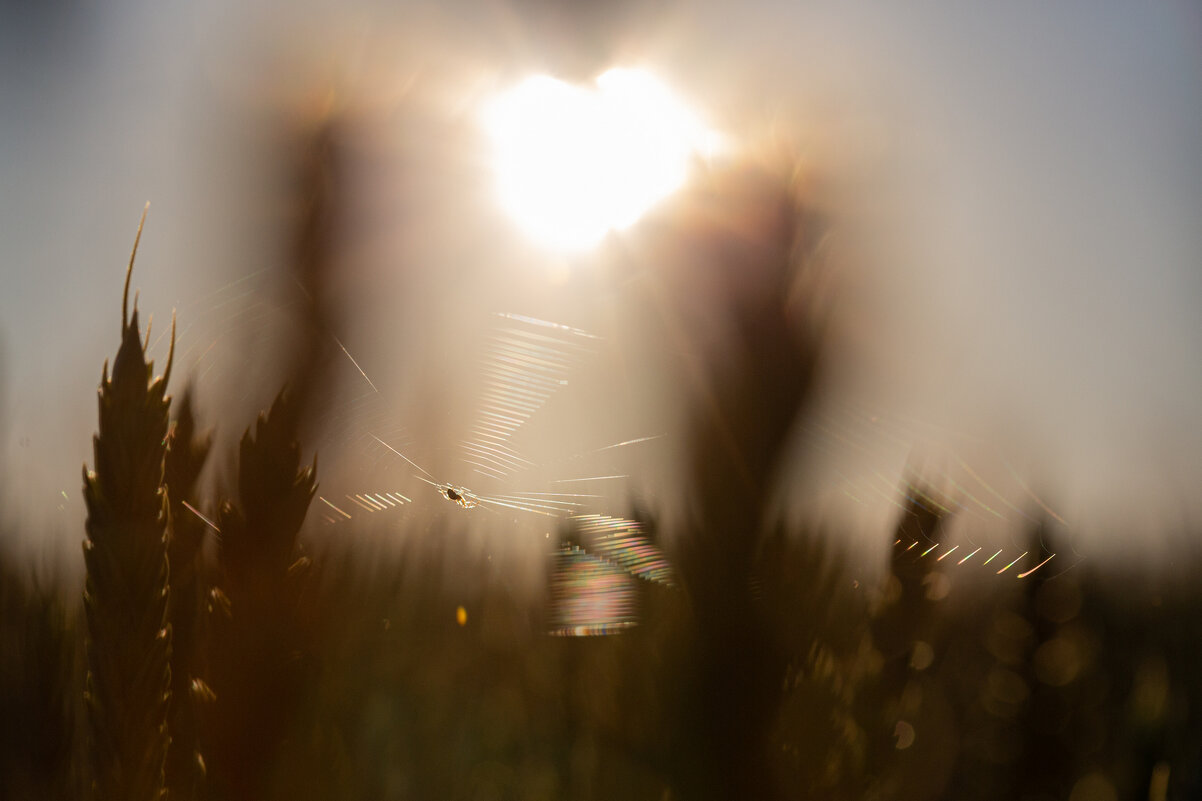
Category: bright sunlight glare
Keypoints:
(574, 163)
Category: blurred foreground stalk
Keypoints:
(260, 651)
(749, 236)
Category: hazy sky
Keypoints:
(1023, 180)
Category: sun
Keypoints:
(575, 162)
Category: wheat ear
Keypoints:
(125, 596)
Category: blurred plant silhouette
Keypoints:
(260, 654)
(747, 408)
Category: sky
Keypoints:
(1017, 186)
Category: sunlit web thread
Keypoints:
(965, 493)
(350, 409)
(240, 310)
(542, 503)
(204, 519)
(541, 500)
(334, 507)
(547, 504)
(1041, 564)
(876, 491)
(397, 452)
(904, 546)
(622, 444)
(615, 477)
(367, 410)
(253, 319)
(591, 591)
(243, 307)
(363, 373)
(970, 555)
(950, 504)
(212, 317)
(1018, 479)
(526, 361)
(369, 502)
(354, 362)
(820, 438)
(916, 496)
(529, 360)
(900, 428)
(876, 438)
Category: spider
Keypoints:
(459, 495)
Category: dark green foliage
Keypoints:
(129, 640)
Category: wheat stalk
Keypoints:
(125, 552)
(255, 662)
(186, 455)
